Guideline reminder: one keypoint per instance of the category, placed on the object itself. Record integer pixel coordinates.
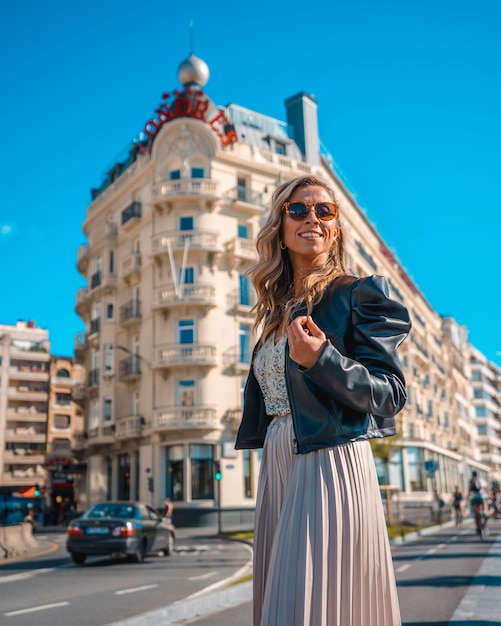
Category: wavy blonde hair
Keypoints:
(273, 276)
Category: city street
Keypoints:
(433, 574)
(52, 590)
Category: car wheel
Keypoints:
(140, 553)
(78, 558)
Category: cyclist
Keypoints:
(477, 501)
(458, 504)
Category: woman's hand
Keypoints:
(306, 341)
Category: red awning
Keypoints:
(26, 492)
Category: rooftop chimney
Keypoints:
(302, 116)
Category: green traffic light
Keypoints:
(218, 476)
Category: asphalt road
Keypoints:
(433, 574)
(50, 590)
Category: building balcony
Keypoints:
(79, 392)
(247, 200)
(28, 434)
(182, 355)
(21, 456)
(82, 305)
(131, 215)
(193, 295)
(34, 354)
(241, 303)
(83, 259)
(176, 240)
(129, 369)
(25, 373)
(131, 267)
(183, 417)
(80, 346)
(233, 417)
(78, 440)
(130, 313)
(235, 361)
(129, 427)
(101, 435)
(192, 189)
(25, 415)
(24, 393)
(240, 250)
(24, 477)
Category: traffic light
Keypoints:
(217, 470)
(37, 490)
(151, 487)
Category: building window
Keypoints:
(482, 411)
(63, 399)
(61, 422)
(175, 174)
(279, 148)
(247, 474)
(241, 189)
(189, 275)
(107, 410)
(202, 472)
(175, 472)
(197, 172)
(112, 262)
(243, 231)
(186, 393)
(63, 373)
(123, 476)
(185, 222)
(110, 311)
(108, 359)
(185, 331)
(415, 467)
(244, 290)
(244, 343)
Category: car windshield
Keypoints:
(111, 510)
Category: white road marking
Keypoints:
(431, 551)
(208, 575)
(42, 607)
(134, 589)
(402, 568)
(440, 546)
(24, 575)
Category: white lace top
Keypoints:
(269, 369)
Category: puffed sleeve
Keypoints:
(369, 379)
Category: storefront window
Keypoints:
(202, 483)
(123, 477)
(175, 473)
(415, 467)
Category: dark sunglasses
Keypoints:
(325, 211)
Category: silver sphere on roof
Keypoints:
(193, 71)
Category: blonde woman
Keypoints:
(325, 378)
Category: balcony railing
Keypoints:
(197, 240)
(181, 417)
(80, 345)
(27, 393)
(79, 439)
(184, 187)
(131, 265)
(247, 198)
(102, 434)
(236, 360)
(82, 301)
(83, 258)
(190, 294)
(241, 302)
(129, 368)
(132, 213)
(174, 355)
(130, 312)
(129, 427)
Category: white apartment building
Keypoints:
(24, 394)
(486, 382)
(167, 307)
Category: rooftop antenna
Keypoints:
(192, 37)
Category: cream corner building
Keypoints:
(167, 307)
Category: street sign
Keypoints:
(431, 467)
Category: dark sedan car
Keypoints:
(131, 529)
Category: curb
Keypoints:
(430, 530)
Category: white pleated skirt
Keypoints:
(321, 550)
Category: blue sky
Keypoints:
(409, 107)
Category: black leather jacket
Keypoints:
(356, 387)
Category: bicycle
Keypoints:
(480, 520)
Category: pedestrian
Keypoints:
(439, 504)
(458, 502)
(168, 508)
(325, 377)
